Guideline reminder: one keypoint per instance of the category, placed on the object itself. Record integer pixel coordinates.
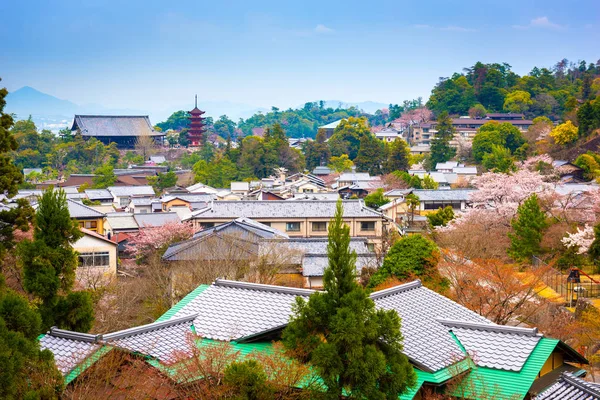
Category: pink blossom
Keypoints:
(151, 238)
(533, 162)
(581, 240)
(414, 117)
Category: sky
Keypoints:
(157, 54)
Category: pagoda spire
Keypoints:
(197, 129)
(196, 102)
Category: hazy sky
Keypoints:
(154, 54)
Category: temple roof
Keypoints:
(114, 125)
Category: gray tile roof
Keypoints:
(495, 346)
(314, 265)
(124, 191)
(167, 341)
(283, 209)
(121, 221)
(142, 201)
(229, 310)
(156, 219)
(355, 177)
(114, 125)
(315, 196)
(569, 387)
(69, 348)
(98, 194)
(80, 210)
(443, 195)
(426, 340)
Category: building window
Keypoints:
(371, 246)
(266, 223)
(367, 226)
(100, 259)
(319, 226)
(309, 190)
(88, 224)
(292, 226)
(124, 202)
(434, 205)
(206, 225)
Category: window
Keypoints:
(266, 223)
(319, 226)
(206, 225)
(367, 226)
(434, 205)
(124, 202)
(88, 224)
(292, 226)
(371, 246)
(100, 259)
(309, 190)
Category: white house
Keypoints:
(97, 259)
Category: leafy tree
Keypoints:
(176, 121)
(347, 135)
(441, 151)
(316, 152)
(376, 199)
(49, 264)
(341, 333)
(454, 95)
(588, 116)
(499, 160)
(398, 156)
(371, 155)
(341, 163)
(104, 177)
(590, 163)
(477, 111)
(528, 229)
(10, 176)
(441, 217)
(428, 183)
(248, 380)
(411, 256)
(413, 203)
(517, 101)
(163, 181)
(219, 173)
(499, 134)
(224, 127)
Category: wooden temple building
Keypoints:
(197, 130)
(124, 130)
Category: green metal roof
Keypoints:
(483, 383)
(190, 296)
(331, 125)
(437, 377)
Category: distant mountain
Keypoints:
(367, 106)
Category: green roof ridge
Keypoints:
(88, 362)
(182, 303)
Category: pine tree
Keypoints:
(441, 151)
(49, 264)
(10, 176)
(528, 229)
(370, 155)
(339, 331)
(398, 157)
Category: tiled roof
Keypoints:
(166, 341)
(572, 388)
(315, 196)
(443, 195)
(355, 176)
(197, 197)
(98, 194)
(314, 265)
(282, 209)
(426, 340)
(69, 348)
(142, 201)
(230, 310)
(155, 219)
(331, 125)
(114, 125)
(80, 210)
(124, 191)
(121, 220)
(495, 346)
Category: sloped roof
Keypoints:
(355, 177)
(331, 125)
(98, 194)
(230, 310)
(572, 388)
(282, 209)
(114, 125)
(426, 340)
(315, 196)
(80, 210)
(495, 346)
(124, 191)
(314, 265)
(155, 219)
(122, 220)
(69, 348)
(443, 195)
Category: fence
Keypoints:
(569, 289)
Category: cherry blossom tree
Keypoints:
(581, 240)
(415, 116)
(152, 238)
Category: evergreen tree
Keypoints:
(376, 199)
(104, 177)
(316, 152)
(528, 229)
(371, 155)
(49, 264)
(10, 176)
(441, 217)
(339, 331)
(398, 156)
(441, 151)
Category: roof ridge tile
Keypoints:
(262, 287)
(396, 289)
(490, 327)
(66, 334)
(147, 328)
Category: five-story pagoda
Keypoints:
(197, 128)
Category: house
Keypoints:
(194, 201)
(125, 177)
(124, 130)
(388, 134)
(102, 195)
(297, 218)
(201, 188)
(568, 172)
(351, 178)
(572, 387)
(97, 258)
(447, 166)
(122, 194)
(241, 188)
(316, 196)
(155, 219)
(451, 348)
(330, 128)
(432, 200)
(119, 222)
(157, 159)
(86, 216)
(322, 170)
(308, 256)
(420, 149)
(140, 205)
